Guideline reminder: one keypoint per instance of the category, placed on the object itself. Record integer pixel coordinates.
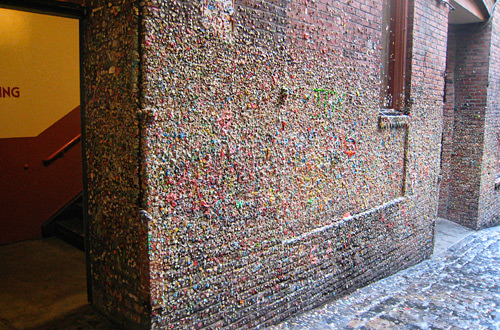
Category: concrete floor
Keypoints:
(448, 233)
(40, 280)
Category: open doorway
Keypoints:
(43, 277)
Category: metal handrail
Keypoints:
(53, 156)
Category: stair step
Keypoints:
(71, 230)
(78, 204)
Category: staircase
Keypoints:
(67, 224)
(38, 176)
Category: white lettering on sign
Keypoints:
(10, 92)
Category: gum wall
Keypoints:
(239, 169)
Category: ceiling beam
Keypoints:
(469, 11)
(71, 8)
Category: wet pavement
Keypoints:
(458, 288)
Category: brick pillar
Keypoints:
(471, 75)
(448, 120)
(118, 248)
(489, 200)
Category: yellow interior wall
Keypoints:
(40, 55)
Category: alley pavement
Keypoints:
(458, 288)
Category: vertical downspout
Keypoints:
(140, 104)
(144, 217)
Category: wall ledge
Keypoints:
(342, 221)
(389, 119)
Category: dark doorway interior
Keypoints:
(43, 277)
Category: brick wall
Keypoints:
(470, 144)
(448, 121)
(119, 270)
(471, 81)
(267, 185)
(426, 90)
(489, 199)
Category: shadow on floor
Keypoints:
(82, 318)
(43, 283)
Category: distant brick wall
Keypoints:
(471, 81)
(470, 143)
